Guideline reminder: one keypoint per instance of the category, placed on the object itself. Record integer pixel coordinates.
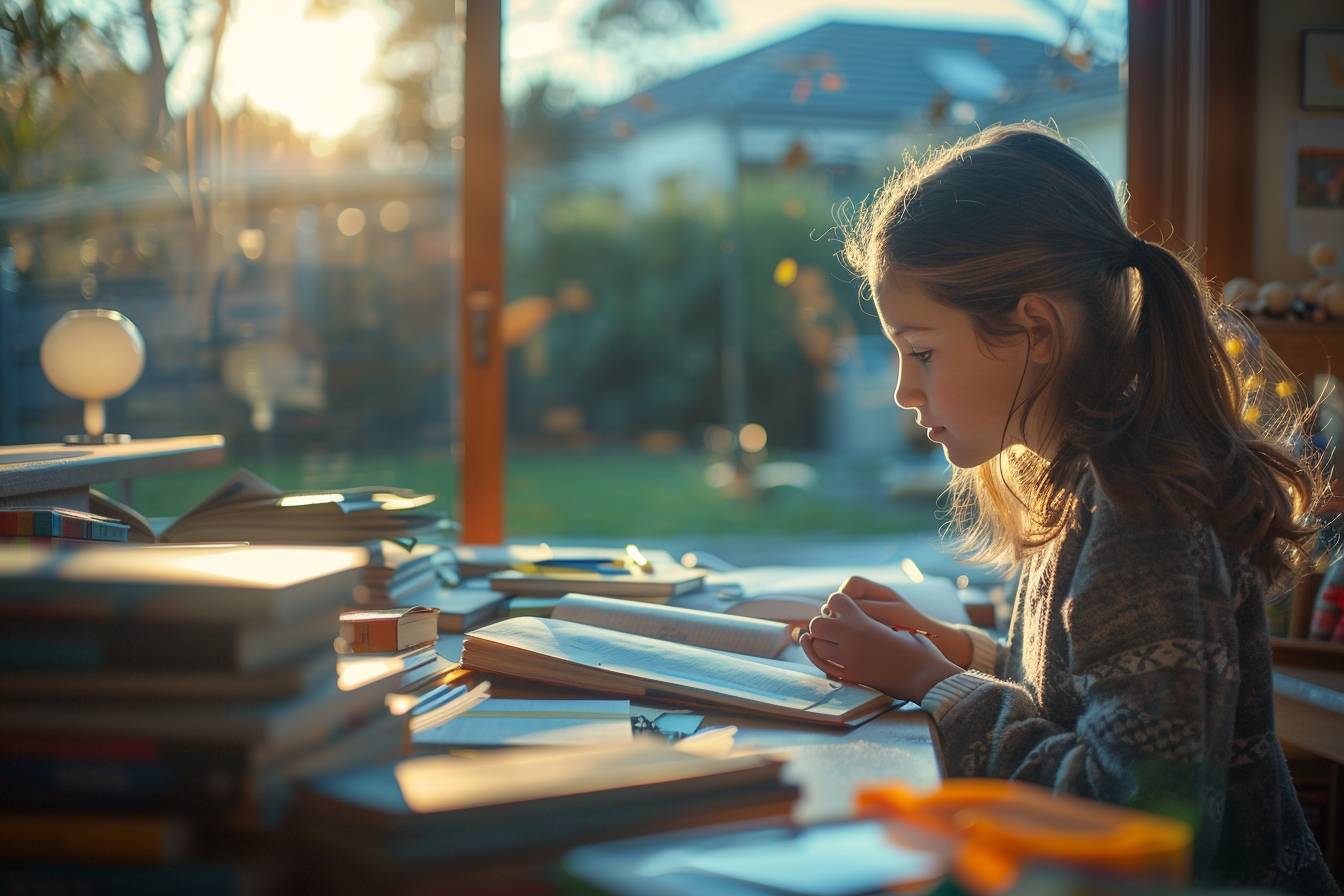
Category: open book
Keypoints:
(561, 652)
(248, 508)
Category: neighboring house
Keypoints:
(843, 96)
(845, 99)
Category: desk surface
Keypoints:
(30, 471)
(828, 764)
(1309, 709)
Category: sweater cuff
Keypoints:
(984, 650)
(951, 691)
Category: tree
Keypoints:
(637, 32)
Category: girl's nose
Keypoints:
(907, 397)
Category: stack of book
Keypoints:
(407, 543)
(495, 823)
(157, 703)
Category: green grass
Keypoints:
(599, 493)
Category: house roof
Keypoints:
(852, 70)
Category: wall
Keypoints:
(1278, 55)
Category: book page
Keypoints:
(808, 587)
(737, 634)
(680, 667)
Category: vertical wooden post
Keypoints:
(1157, 133)
(1230, 160)
(481, 285)
(1191, 128)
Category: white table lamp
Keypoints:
(93, 354)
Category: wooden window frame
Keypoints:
(1191, 89)
(481, 364)
(1191, 129)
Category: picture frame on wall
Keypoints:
(1323, 69)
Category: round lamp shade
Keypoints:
(93, 354)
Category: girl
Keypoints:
(1090, 395)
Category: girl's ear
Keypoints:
(1044, 326)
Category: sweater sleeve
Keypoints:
(1151, 648)
(984, 650)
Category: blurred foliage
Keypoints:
(641, 350)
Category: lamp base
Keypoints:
(107, 438)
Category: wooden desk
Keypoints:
(1309, 709)
(828, 764)
(60, 475)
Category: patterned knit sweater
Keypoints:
(1137, 671)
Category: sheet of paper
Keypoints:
(556, 723)
(935, 596)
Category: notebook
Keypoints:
(555, 651)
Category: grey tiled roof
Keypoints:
(880, 72)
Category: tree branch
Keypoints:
(156, 81)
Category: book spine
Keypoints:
(196, 878)
(54, 783)
(39, 837)
(16, 522)
(106, 531)
(371, 635)
(70, 646)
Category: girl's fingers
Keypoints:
(824, 627)
(841, 606)
(811, 648)
(860, 588)
(893, 613)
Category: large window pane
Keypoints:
(687, 356)
(267, 189)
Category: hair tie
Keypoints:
(1137, 247)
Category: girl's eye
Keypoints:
(922, 357)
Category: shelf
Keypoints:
(1306, 348)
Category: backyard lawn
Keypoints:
(616, 493)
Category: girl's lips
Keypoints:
(936, 431)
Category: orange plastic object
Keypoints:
(1005, 827)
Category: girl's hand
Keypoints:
(848, 644)
(888, 607)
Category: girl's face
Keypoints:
(961, 390)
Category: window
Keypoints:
(693, 361)
(272, 198)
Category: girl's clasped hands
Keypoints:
(863, 636)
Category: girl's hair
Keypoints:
(1167, 397)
